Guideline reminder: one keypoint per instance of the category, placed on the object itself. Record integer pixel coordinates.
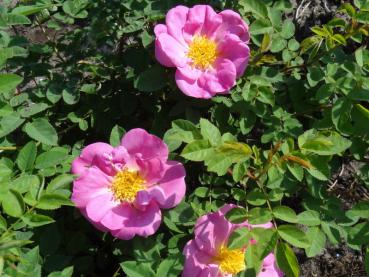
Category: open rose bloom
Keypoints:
(122, 189)
(207, 254)
(208, 49)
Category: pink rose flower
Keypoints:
(207, 254)
(208, 49)
(122, 189)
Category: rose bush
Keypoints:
(168, 138)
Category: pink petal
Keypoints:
(195, 21)
(196, 260)
(233, 23)
(212, 231)
(152, 170)
(93, 154)
(190, 72)
(233, 49)
(212, 22)
(191, 87)
(269, 267)
(172, 187)
(160, 28)
(99, 206)
(96, 224)
(221, 79)
(175, 21)
(92, 183)
(137, 222)
(160, 55)
(147, 146)
(169, 52)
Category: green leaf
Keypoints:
(8, 82)
(185, 131)
(197, 150)
(288, 29)
(9, 123)
(239, 238)
(171, 266)
(309, 218)
(257, 7)
(259, 216)
(36, 220)
(286, 260)
(256, 197)
(13, 243)
(26, 157)
(323, 142)
(361, 209)
(151, 79)
(261, 26)
(28, 10)
(13, 203)
(359, 94)
(75, 8)
(67, 272)
(116, 135)
(341, 115)
(293, 235)
(137, 269)
(53, 157)
(316, 240)
(266, 240)
(52, 201)
(285, 213)
(237, 215)
(41, 130)
(62, 181)
(202, 192)
(210, 132)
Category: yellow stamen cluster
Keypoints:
(126, 184)
(231, 261)
(202, 52)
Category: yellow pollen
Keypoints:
(231, 261)
(126, 184)
(202, 52)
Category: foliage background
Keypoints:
(77, 72)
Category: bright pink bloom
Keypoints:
(208, 49)
(207, 254)
(122, 189)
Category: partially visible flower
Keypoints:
(122, 189)
(207, 254)
(208, 49)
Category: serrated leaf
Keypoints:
(309, 218)
(293, 235)
(286, 260)
(52, 201)
(239, 238)
(317, 241)
(36, 220)
(137, 269)
(27, 156)
(13, 203)
(197, 150)
(237, 215)
(9, 81)
(285, 213)
(41, 130)
(210, 132)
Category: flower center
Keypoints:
(231, 261)
(202, 51)
(126, 184)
